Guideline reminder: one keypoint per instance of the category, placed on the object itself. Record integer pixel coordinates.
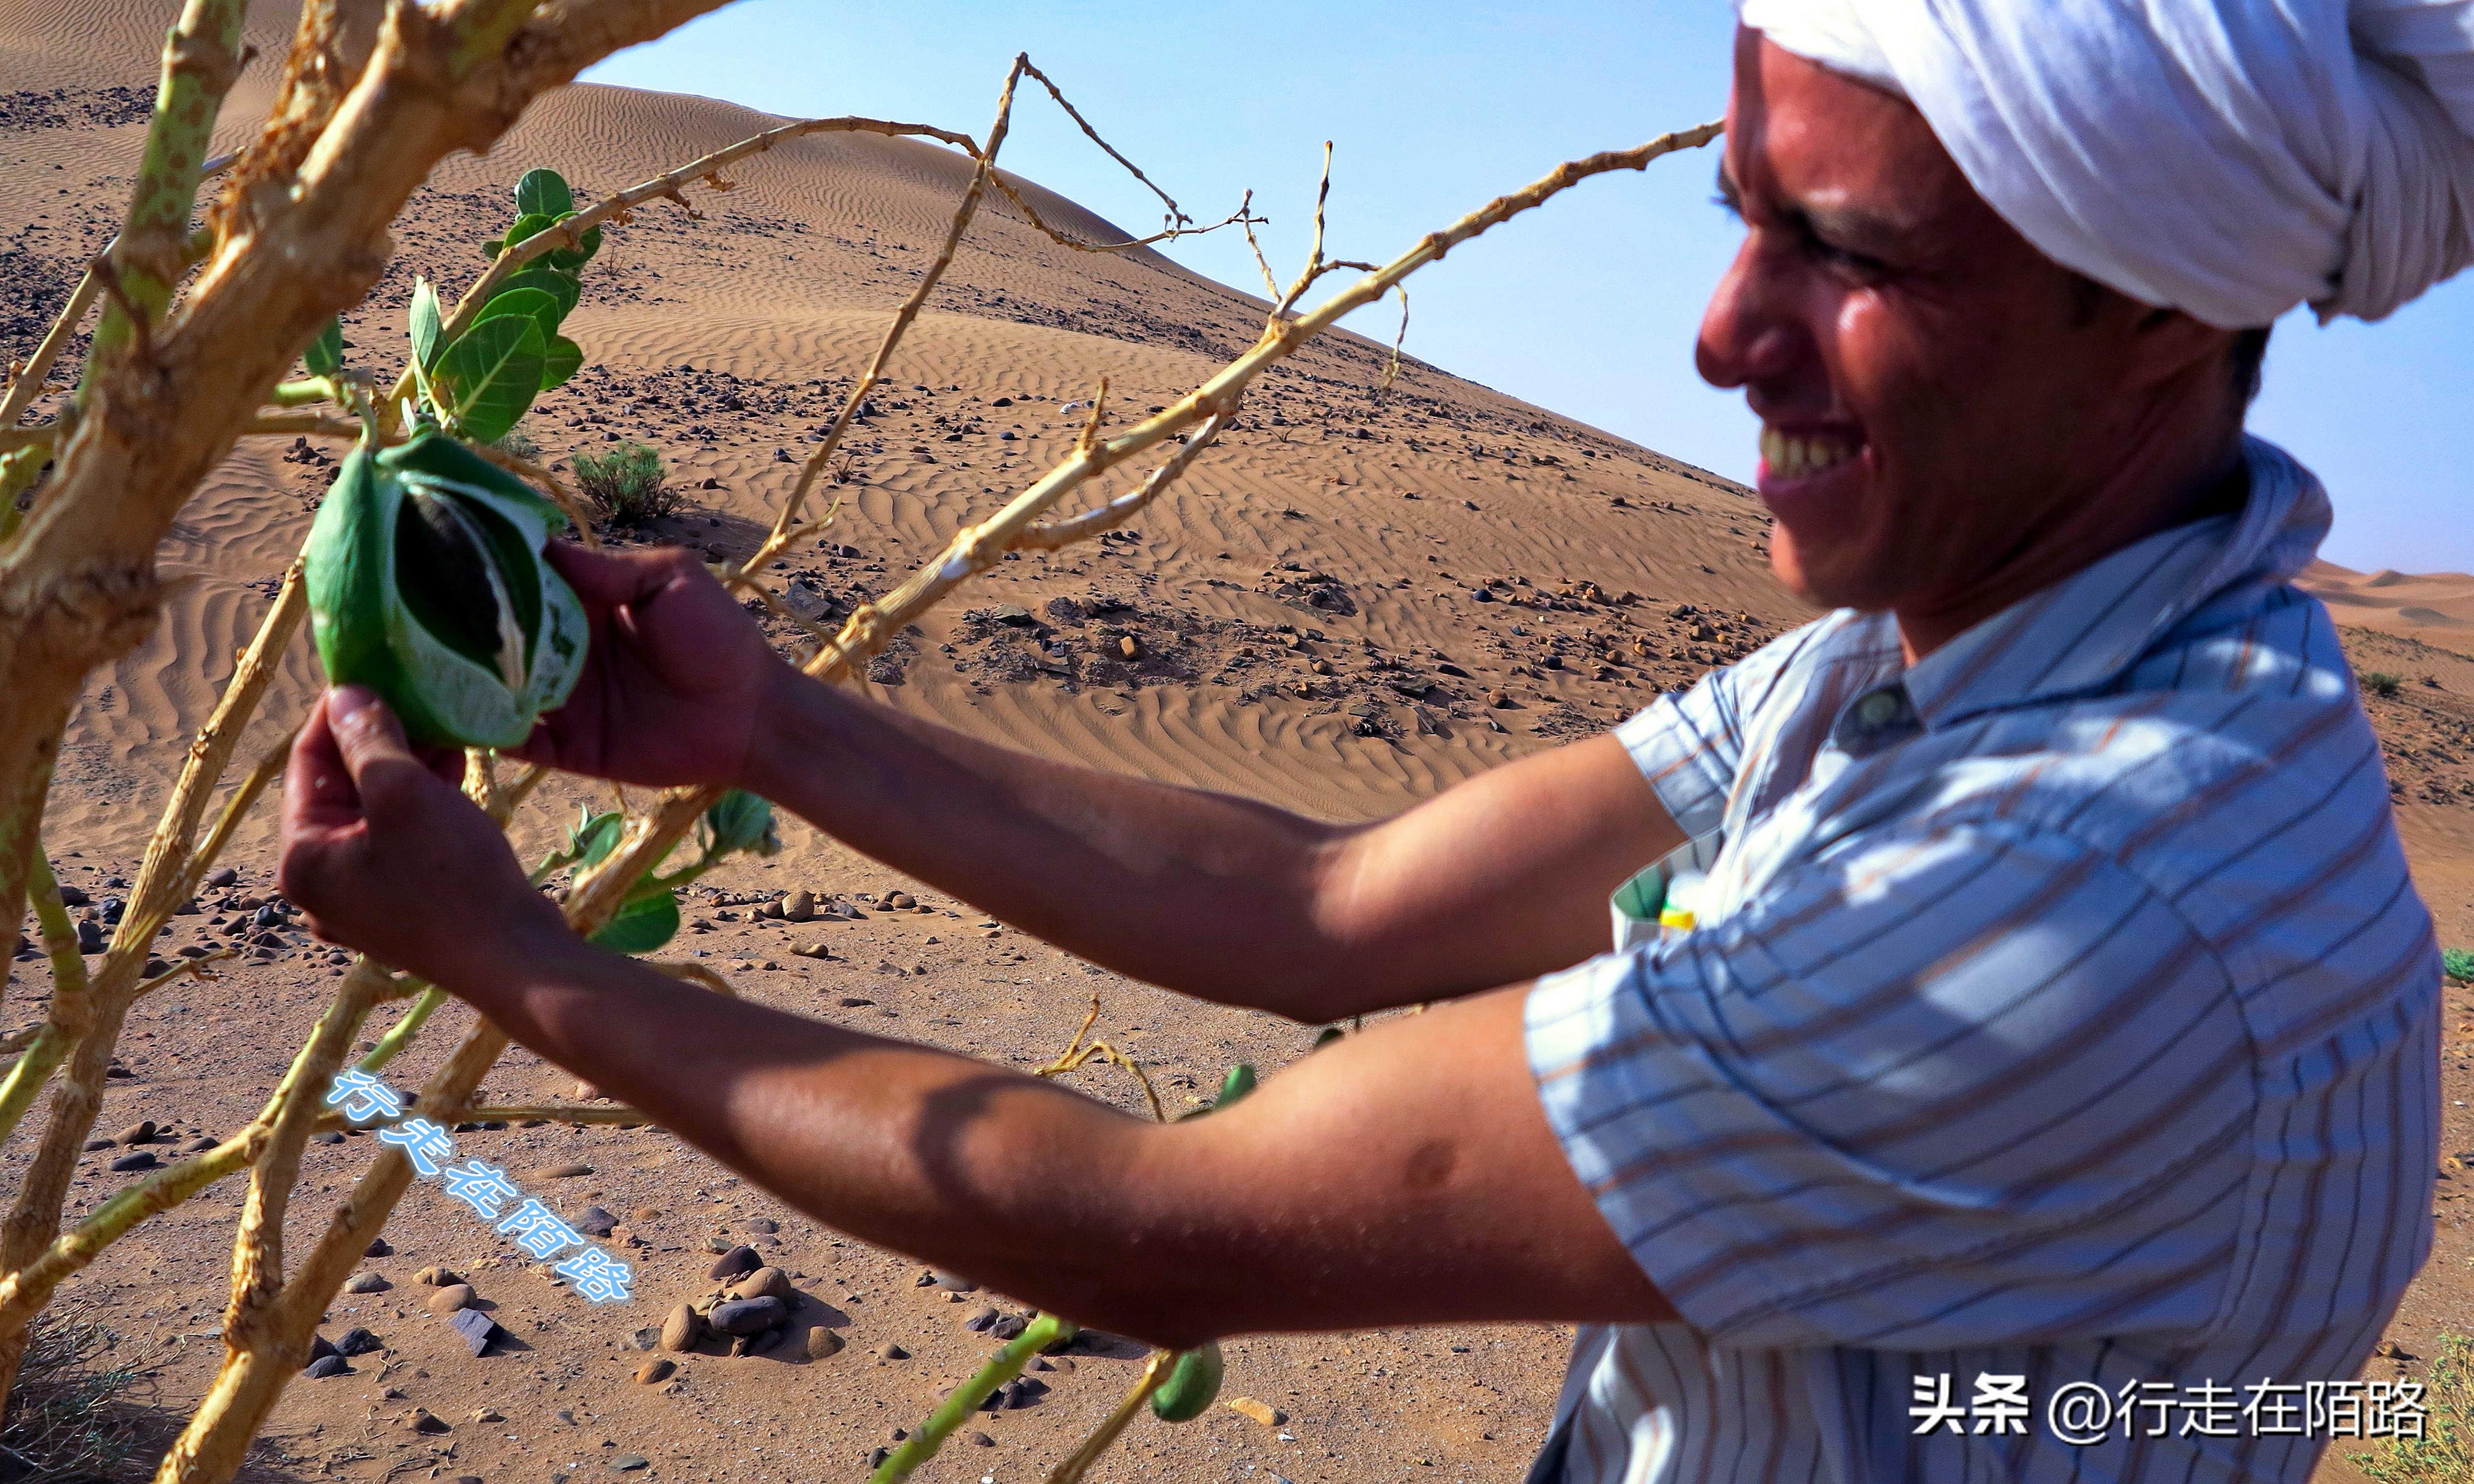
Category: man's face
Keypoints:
(1933, 399)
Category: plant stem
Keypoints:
(399, 1035)
(1154, 1375)
(964, 1399)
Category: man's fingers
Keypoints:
(605, 579)
(318, 792)
(384, 771)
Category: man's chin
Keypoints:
(1826, 577)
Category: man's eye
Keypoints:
(1840, 257)
(1727, 203)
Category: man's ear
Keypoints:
(2166, 345)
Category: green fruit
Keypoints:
(426, 584)
(1239, 1082)
(1193, 1383)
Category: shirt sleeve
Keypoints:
(1937, 1088)
(1687, 744)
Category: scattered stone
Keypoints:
(435, 1277)
(1130, 647)
(766, 1283)
(901, 901)
(812, 950)
(453, 1297)
(682, 1329)
(1258, 1411)
(982, 1440)
(855, 1001)
(953, 1283)
(823, 1342)
(324, 1366)
(563, 1172)
(328, 1137)
(737, 1262)
(894, 1352)
(980, 1320)
(627, 1463)
(378, 1247)
(765, 1224)
(647, 1338)
(198, 1145)
(222, 877)
(321, 1346)
(595, 1222)
(654, 1372)
(801, 907)
(644, 1213)
(90, 936)
(477, 1329)
(142, 1132)
(142, 1159)
(1008, 1327)
(358, 1341)
(489, 1414)
(421, 1419)
(368, 1282)
(93, 1144)
(748, 1316)
(876, 1456)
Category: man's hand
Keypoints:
(678, 674)
(387, 856)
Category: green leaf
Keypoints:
(588, 242)
(543, 193)
(539, 274)
(564, 359)
(492, 248)
(594, 836)
(425, 321)
(490, 375)
(738, 820)
(533, 303)
(641, 925)
(325, 354)
(526, 226)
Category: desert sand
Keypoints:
(1357, 600)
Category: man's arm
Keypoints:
(1405, 1176)
(1499, 879)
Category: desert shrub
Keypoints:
(2457, 962)
(2380, 682)
(70, 1414)
(521, 444)
(2444, 1454)
(626, 484)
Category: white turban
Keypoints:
(2226, 158)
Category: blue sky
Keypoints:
(1587, 307)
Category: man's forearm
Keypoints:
(1202, 893)
(950, 1160)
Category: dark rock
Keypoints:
(737, 1262)
(368, 1282)
(477, 1329)
(421, 1419)
(748, 1316)
(73, 897)
(1008, 1327)
(451, 1298)
(595, 1222)
(358, 1341)
(654, 1372)
(324, 1366)
(222, 877)
(379, 1248)
(90, 936)
(321, 1346)
(954, 1282)
(142, 1159)
(981, 1319)
(894, 1352)
(627, 1463)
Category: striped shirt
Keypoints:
(2059, 1008)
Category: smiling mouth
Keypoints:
(1798, 455)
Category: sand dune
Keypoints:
(2436, 607)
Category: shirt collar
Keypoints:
(2085, 630)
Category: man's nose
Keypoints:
(1748, 334)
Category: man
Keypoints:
(2059, 1018)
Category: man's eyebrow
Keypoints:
(1728, 196)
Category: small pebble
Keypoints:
(953, 1283)
(982, 1440)
(595, 1222)
(421, 1419)
(324, 1366)
(748, 1316)
(736, 1262)
(563, 1172)
(823, 1342)
(766, 1283)
(142, 1132)
(451, 1298)
(894, 1352)
(980, 1320)
(378, 1247)
(366, 1283)
(654, 1372)
(142, 1159)
(682, 1329)
(647, 1338)
(435, 1277)
(627, 1462)
(1008, 1327)
(358, 1341)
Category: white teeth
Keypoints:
(1792, 457)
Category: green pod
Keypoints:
(426, 584)
(1193, 1384)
